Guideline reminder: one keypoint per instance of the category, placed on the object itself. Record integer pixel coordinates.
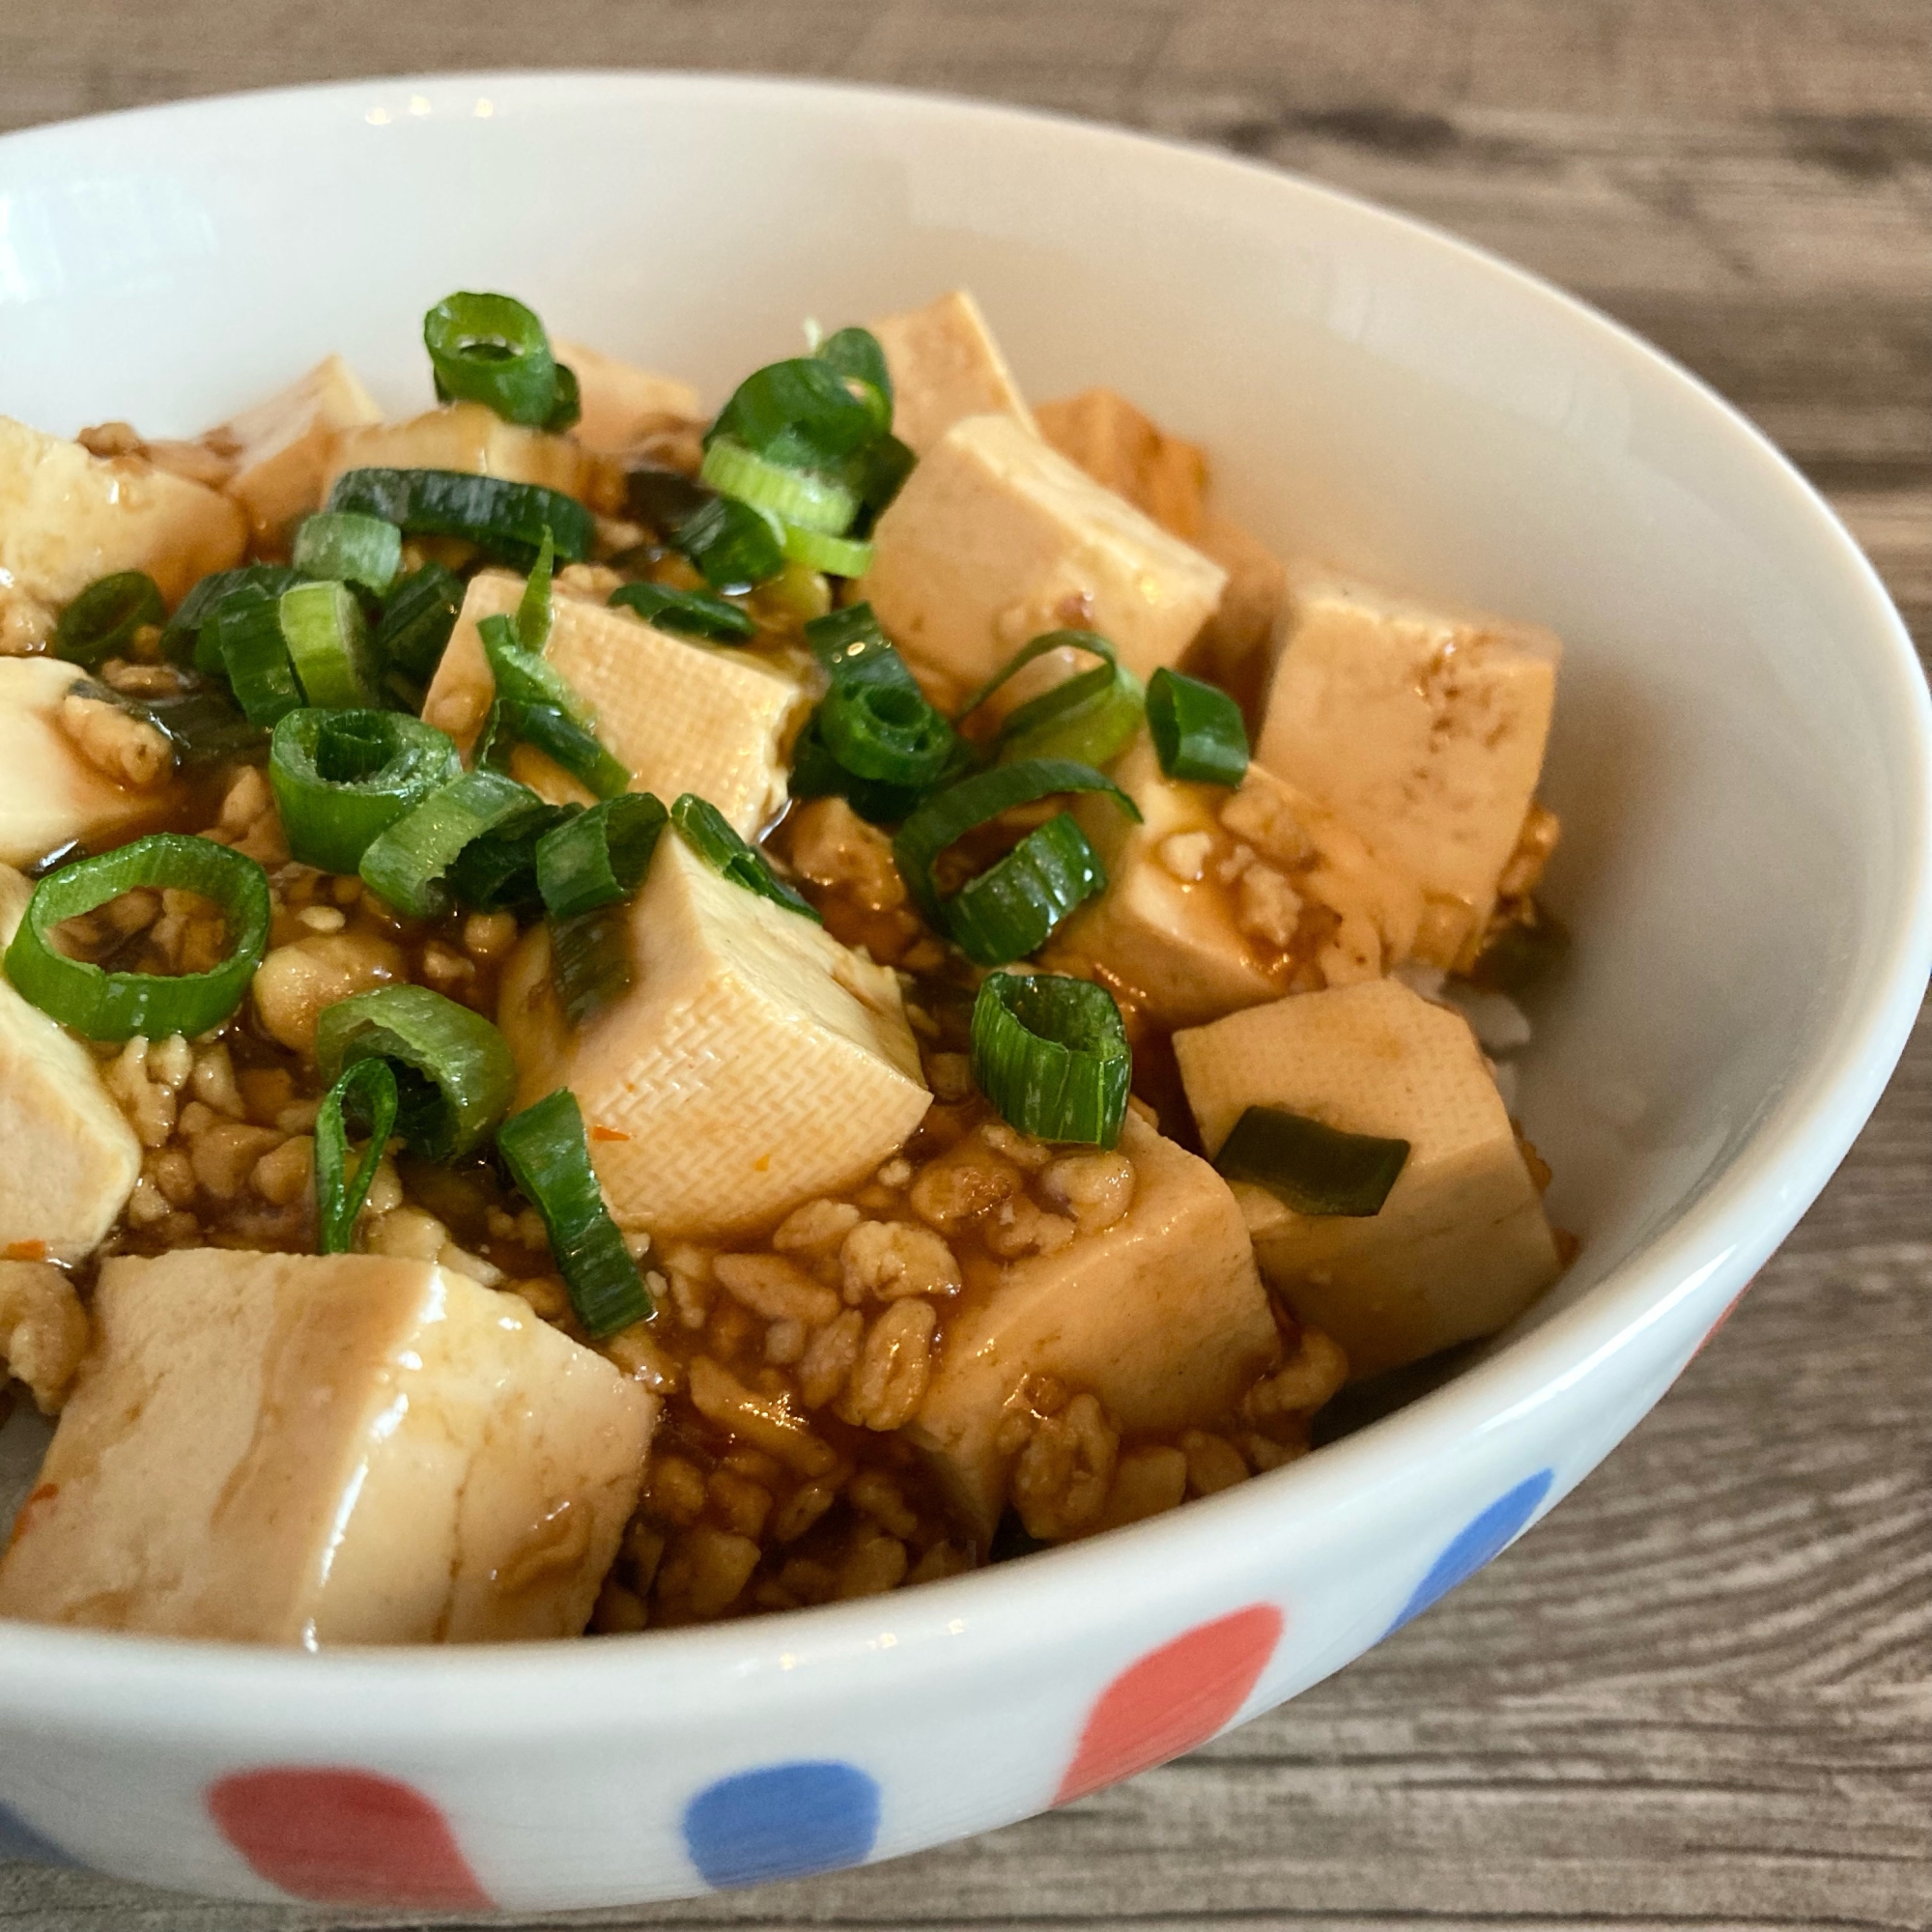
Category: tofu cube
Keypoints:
(469, 437)
(621, 403)
(49, 793)
(1423, 730)
(1162, 1316)
(67, 518)
(284, 445)
(307, 1449)
(945, 365)
(1167, 942)
(754, 1063)
(68, 1160)
(1236, 648)
(996, 538)
(684, 716)
(1461, 1246)
(1126, 452)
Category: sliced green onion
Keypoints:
(490, 348)
(1090, 716)
(102, 621)
(498, 873)
(533, 608)
(329, 643)
(1012, 907)
(591, 961)
(202, 721)
(562, 740)
(801, 413)
(712, 837)
(806, 498)
(600, 855)
(350, 546)
(1051, 1054)
(549, 1157)
(948, 816)
(876, 723)
(886, 466)
(507, 520)
(343, 778)
(662, 499)
(567, 406)
(367, 1089)
(418, 618)
(522, 676)
(116, 1006)
(733, 546)
(406, 865)
(816, 774)
(182, 640)
(454, 1075)
(842, 638)
(1197, 728)
(856, 355)
(247, 630)
(1309, 1165)
(837, 556)
(690, 614)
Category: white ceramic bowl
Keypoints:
(1740, 760)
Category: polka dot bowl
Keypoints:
(1740, 761)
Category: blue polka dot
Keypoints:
(1481, 1539)
(19, 1841)
(784, 1821)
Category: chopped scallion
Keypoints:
(454, 1075)
(406, 864)
(734, 547)
(350, 546)
(327, 642)
(506, 519)
(801, 413)
(343, 778)
(418, 618)
(102, 621)
(185, 640)
(490, 348)
(599, 855)
(1310, 1166)
(1051, 1054)
(713, 838)
(806, 499)
(247, 631)
(1090, 717)
(367, 1090)
(549, 1156)
(690, 614)
(1011, 908)
(1197, 728)
(837, 556)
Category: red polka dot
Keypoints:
(1173, 1698)
(345, 1837)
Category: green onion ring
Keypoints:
(837, 556)
(368, 1088)
(948, 816)
(454, 1075)
(1090, 716)
(690, 614)
(247, 630)
(857, 356)
(600, 855)
(715, 840)
(1012, 907)
(102, 621)
(1197, 729)
(506, 519)
(343, 778)
(116, 1006)
(327, 642)
(549, 1157)
(592, 960)
(418, 618)
(182, 640)
(1310, 1166)
(490, 348)
(801, 413)
(498, 873)
(804, 498)
(734, 547)
(349, 547)
(406, 864)
(1051, 1054)
(523, 676)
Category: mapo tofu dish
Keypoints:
(615, 1017)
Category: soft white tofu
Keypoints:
(621, 403)
(284, 444)
(468, 437)
(49, 793)
(997, 538)
(68, 1160)
(1461, 1245)
(944, 364)
(683, 716)
(1162, 1316)
(1166, 941)
(67, 518)
(312, 1449)
(754, 1063)
(1423, 728)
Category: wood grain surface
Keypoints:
(1702, 1694)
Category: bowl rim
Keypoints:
(1710, 1249)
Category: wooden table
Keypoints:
(1702, 1692)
